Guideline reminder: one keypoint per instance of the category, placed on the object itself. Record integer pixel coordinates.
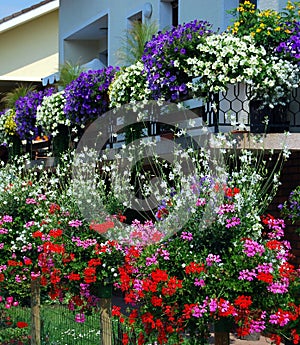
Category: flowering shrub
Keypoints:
(291, 47)
(268, 27)
(225, 59)
(25, 117)
(7, 126)
(50, 113)
(165, 56)
(87, 96)
(129, 86)
(291, 208)
(11, 331)
(179, 288)
(42, 237)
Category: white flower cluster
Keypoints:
(224, 59)
(129, 86)
(3, 119)
(50, 113)
(277, 81)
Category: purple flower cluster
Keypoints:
(211, 258)
(251, 248)
(164, 57)
(26, 108)
(291, 207)
(291, 47)
(87, 97)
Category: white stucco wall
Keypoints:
(76, 14)
(276, 5)
(214, 11)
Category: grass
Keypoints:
(59, 328)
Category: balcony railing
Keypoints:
(232, 109)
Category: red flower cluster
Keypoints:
(194, 267)
(90, 275)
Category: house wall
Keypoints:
(75, 15)
(276, 5)
(214, 11)
(31, 49)
(75, 48)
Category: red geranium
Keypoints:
(22, 324)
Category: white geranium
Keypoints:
(50, 113)
(129, 86)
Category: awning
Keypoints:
(50, 79)
(94, 64)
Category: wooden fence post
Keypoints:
(35, 313)
(105, 321)
(222, 330)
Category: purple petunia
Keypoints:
(164, 56)
(291, 46)
(87, 96)
(25, 117)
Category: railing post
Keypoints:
(35, 313)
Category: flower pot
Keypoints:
(223, 325)
(251, 337)
(169, 136)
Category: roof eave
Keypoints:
(28, 16)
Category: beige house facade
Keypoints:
(29, 45)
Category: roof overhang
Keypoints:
(28, 16)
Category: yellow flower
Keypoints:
(9, 124)
(258, 30)
(252, 34)
(268, 33)
(289, 6)
(278, 28)
(262, 25)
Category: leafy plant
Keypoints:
(134, 40)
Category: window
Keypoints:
(174, 13)
(168, 13)
(136, 17)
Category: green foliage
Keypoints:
(11, 97)
(134, 40)
(267, 27)
(67, 73)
